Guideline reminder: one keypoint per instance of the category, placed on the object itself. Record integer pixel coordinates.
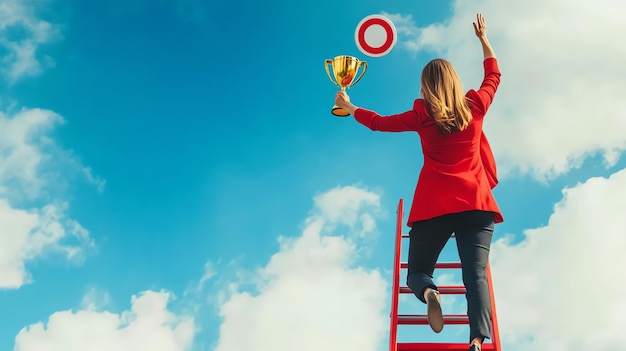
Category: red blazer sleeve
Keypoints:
(484, 96)
(403, 122)
(481, 102)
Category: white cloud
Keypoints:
(21, 34)
(311, 295)
(25, 235)
(148, 326)
(95, 299)
(560, 99)
(562, 286)
(351, 206)
(209, 272)
(24, 147)
(31, 166)
(93, 179)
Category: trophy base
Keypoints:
(339, 112)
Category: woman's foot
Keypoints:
(435, 317)
(475, 344)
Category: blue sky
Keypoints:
(170, 172)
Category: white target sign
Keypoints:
(375, 35)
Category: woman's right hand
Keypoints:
(480, 27)
(343, 100)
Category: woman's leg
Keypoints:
(427, 239)
(473, 238)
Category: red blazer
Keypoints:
(459, 169)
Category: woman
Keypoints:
(453, 192)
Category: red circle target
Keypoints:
(375, 35)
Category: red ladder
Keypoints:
(413, 319)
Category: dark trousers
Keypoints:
(473, 231)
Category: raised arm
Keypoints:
(480, 27)
(491, 80)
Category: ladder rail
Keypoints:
(495, 332)
(395, 294)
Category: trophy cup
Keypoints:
(344, 71)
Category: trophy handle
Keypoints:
(364, 65)
(326, 63)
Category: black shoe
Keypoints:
(474, 347)
(435, 317)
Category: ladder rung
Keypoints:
(422, 319)
(406, 346)
(450, 290)
(438, 265)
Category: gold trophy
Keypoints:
(344, 71)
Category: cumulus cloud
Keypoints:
(562, 286)
(26, 234)
(24, 148)
(351, 206)
(148, 325)
(311, 295)
(560, 98)
(21, 34)
(31, 166)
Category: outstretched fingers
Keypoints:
(479, 26)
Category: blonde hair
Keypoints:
(443, 92)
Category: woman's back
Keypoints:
(453, 178)
(456, 149)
